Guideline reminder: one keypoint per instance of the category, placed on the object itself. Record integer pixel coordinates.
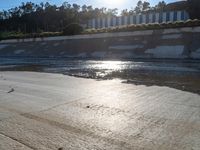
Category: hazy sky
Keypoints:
(120, 4)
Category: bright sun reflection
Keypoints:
(110, 65)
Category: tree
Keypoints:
(194, 8)
(1, 15)
(84, 8)
(141, 7)
(161, 5)
(27, 8)
(31, 17)
(125, 12)
(76, 7)
(145, 6)
(111, 12)
(72, 29)
(138, 8)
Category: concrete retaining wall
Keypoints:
(180, 43)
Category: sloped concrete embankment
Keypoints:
(180, 43)
(53, 111)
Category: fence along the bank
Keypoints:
(170, 16)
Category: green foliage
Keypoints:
(44, 17)
(194, 8)
(33, 18)
(11, 35)
(72, 29)
(41, 20)
(75, 28)
(151, 26)
(48, 34)
(19, 35)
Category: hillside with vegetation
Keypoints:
(31, 20)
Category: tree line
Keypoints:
(44, 17)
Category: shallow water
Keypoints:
(183, 75)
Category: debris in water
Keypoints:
(87, 106)
(60, 148)
(12, 90)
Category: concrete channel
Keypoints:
(53, 111)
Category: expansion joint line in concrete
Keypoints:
(18, 141)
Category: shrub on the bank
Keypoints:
(75, 28)
(72, 29)
(150, 26)
(195, 22)
(178, 24)
(192, 23)
(11, 35)
(19, 35)
(47, 34)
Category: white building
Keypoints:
(156, 17)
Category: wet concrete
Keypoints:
(53, 111)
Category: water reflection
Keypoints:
(110, 65)
(180, 75)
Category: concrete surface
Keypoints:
(179, 43)
(51, 111)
